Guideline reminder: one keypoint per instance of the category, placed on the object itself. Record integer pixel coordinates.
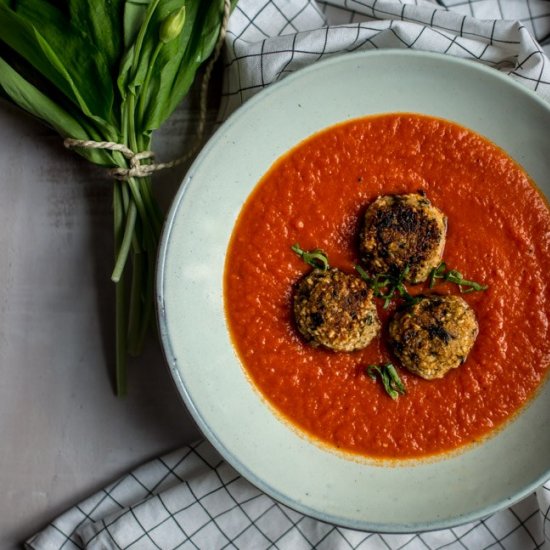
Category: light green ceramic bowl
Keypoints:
(359, 494)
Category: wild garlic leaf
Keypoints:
(178, 63)
(29, 98)
(123, 75)
(134, 15)
(137, 16)
(139, 69)
(204, 34)
(166, 62)
(139, 55)
(101, 21)
(65, 59)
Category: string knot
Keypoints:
(135, 170)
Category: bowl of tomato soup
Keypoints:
(300, 163)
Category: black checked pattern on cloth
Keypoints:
(268, 39)
(191, 498)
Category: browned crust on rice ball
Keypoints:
(434, 335)
(403, 231)
(335, 310)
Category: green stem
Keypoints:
(145, 86)
(144, 143)
(154, 210)
(126, 201)
(122, 255)
(135, 190)
(143, 30)
(135, 310)
(135, 187)
(131, 114)
(129, 209)
(120, 298)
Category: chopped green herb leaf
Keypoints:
(389, 377)
(387, 286)
(454, 276)
(315, 258)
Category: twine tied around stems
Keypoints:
(136, 168)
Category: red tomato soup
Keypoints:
(498, 234)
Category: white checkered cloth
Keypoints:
(191, 498)
(268, 39)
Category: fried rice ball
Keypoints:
(434, 335)
(335, 310)
(403, 231)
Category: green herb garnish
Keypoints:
(454, 276)
(315, 258)
(387, 286)
(390, 379)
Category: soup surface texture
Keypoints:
(498, 234)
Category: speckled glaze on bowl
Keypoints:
(361, 494)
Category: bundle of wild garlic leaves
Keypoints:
(110, 71)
